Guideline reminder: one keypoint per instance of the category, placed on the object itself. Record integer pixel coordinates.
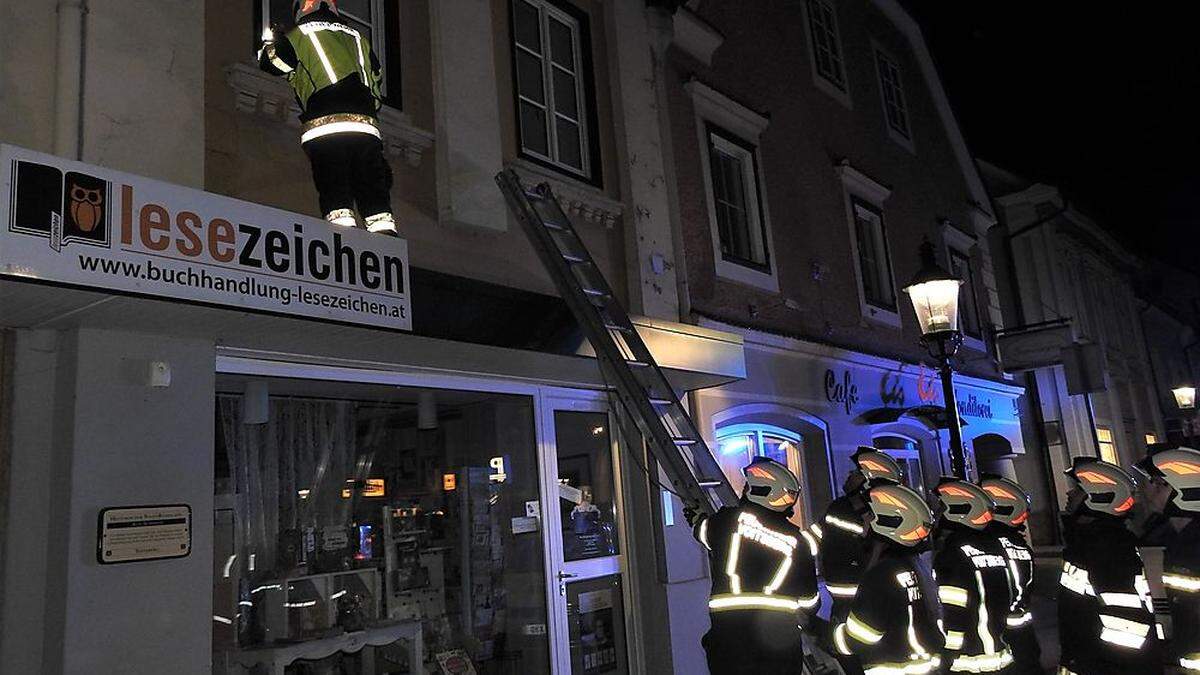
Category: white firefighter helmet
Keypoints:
(1180, 468)
(303, 8)
(1106, 486)
(899, 514)
(965, 503)
(771, 484)
(876, 465)
(1012, 501)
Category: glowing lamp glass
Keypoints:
(936, 304)
(1185, 397)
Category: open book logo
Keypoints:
(64, 207)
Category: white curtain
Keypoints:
(289, 473)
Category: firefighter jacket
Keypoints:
(842, 547)
(760, 560)
(1181, 577)
(1020, 569)
(1105, 613)
(974, 586)
(333, 72)
(891, 626)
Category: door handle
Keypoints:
(562, 582)
(563, 575)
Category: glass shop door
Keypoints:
(584, 539)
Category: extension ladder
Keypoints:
(625, 362)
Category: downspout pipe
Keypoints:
(70, 77)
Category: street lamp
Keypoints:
(1185, 397)
(934, 295)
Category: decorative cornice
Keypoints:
(263, 95)
(577, 199)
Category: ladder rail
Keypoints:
(618, 347)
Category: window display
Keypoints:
(374, 530)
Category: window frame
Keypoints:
(1110, 444)
(384, 19)
(723, 141)
(967, 293)
(904, 455)
(741, 127)
(882, 58)
(579, 23)
(957, 240)
(839, 91)
(795, 462)
(856, 185)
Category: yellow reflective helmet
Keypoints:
(899, 514)
(965, 503)
(1108, 488)
(876, 465)
(1012, 501)
(1180, 468)
(771, 484)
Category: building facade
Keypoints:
(1061, 266)
(803, 187)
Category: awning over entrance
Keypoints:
(931, 415)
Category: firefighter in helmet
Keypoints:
(764, 579)
(1008, 527)
(1175, 474)
(336, 79)
(842, 536)
(974, 583)
(1105, 613)
(892, 626)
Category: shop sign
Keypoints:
(69, 223)
(926, 391)
(130, 534)
(973, 407)
(891, 389)
(842, 390)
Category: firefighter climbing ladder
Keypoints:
(628, 366)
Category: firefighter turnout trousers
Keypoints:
(1181, 577)
(349, 169)
(1019, 631)
(1105, 614)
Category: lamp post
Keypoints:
(934, 295)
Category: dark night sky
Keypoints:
(1100, 99)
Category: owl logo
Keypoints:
(86, 207)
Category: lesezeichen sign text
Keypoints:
(71, 223)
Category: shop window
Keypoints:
(874, 262)
(553, 97)
(907, 452)
(377, 21)
(376, 514)
(829, 70)
(740, 443)
(1108, 445)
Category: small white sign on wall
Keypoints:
(130, 534)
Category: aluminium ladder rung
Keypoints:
(574, 258)
(661, 401)
(682, 441)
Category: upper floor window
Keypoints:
(735, 199)
(895, 107)
(968, 306)
(826, 45)
(549, 49)
(1108, 445)
(377, 21)
(874, 262)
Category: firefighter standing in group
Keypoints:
(1008, 526)
(842, 533)
(1105, 613)
(336, 79)
(891, 626)
(974, 583)
(764, 579)
(1175, 475)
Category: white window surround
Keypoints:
(840, 94)
(904, 455)
(856, 184)
(877, 51)
(712, 106)
(955, 238)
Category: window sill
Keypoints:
(840, 95)
(880, 316)
(576, 197)
(731, 271)
(901, 140)
(974, 343)
(264, 95)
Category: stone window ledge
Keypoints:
(576, 198)
(263, 95)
